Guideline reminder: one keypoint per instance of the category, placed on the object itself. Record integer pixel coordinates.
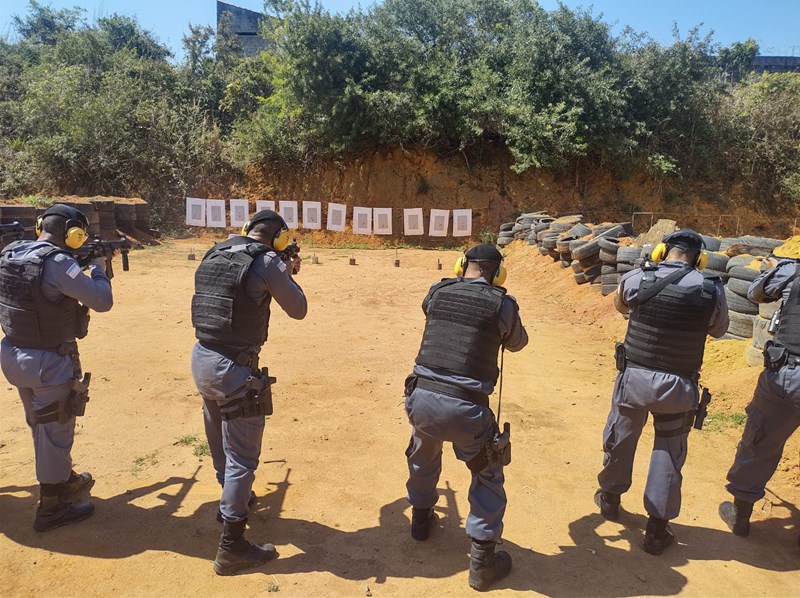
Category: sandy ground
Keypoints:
(331, 481)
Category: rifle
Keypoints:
(292, 251)
(14, 230)
(97, 248)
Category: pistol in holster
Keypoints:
(259, 398)
(701, 412)
(80, 394)
(497, 450)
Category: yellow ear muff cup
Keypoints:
(500, 277)
(659, 253)
(75, 237)
(38, 228)
(281, 240)
(458, 267)
(244, 230)
(702, 260)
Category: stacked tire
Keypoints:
(609, 277)
(741, 310)
(586, 263)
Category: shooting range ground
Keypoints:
(331, 483)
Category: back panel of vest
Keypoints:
(462, 333)
(17, 309)
(668, 332)
(28, 318)
(788, 333)
(216, 282)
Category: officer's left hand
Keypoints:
(770, 262)
(296, 261)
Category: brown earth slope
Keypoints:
(331, 481)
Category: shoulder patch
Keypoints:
(281, 265)
(73, 270)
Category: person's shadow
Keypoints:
(119, 528)
(607, 559)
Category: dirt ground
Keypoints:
(331, 482)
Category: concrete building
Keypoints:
(246, 25)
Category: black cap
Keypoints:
(483, 253)
(67, 212)
(265, 216)
(685, 238)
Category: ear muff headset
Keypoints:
(75, 233)
(498, 278)
(280, 240)
(661, 250)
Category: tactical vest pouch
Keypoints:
(619, 356)
(82, 322)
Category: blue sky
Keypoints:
(774, 24)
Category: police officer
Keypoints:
(44, 307)
(672, 307)
(468, 319)
(234, 286)
(774, 413)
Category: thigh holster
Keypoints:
(73, 405)
(258, 400)
(674, 424)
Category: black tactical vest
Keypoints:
(462, 334)
(668, 331)
(222, 313)
(788, 333)
(28, 318)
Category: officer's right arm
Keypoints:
(513, 333)
(768, 286)
(63, 275)
(625, 291)
(284, 289)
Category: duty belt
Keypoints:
(240, 356)
(452, 390)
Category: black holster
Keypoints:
(775, 356)
(497, 450)
(258, 400)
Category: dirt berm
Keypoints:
(331, 482)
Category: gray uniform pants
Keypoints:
(43, 378)
(772, 417)
(662, 494)
(436, 419)
(235, 444)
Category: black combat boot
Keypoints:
(736, 515)
(54, 511)
(236, 554)
(486, 567)
(658, 536)
(608, 503)
(77, 483)
(421, 522)
(250, 503)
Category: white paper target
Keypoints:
(362, 221)
(437, 227)
(288, 211)
(215, 213)
(195, 211)
(382, 221)
(265, 204)
(240, 212)
(412, 222)
(337, 213)
(312, 215)
(462, 223)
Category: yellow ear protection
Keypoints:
(280, 240)
(498, 278)
(661, 250)
(75, 232)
